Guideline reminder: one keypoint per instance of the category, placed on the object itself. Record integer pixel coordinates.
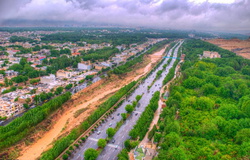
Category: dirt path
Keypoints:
(240, 47)
(88, 98)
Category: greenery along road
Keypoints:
(212, 99)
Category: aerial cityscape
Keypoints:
(124, 79)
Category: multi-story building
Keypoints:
(48, 79)
(63, 74)
(85, 65)
(210, 54)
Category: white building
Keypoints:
(210, 54)
(85, 66)
(63, 74)
(48, 79)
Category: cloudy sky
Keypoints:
(230, 15)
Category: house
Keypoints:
(48, 79)
(11, 73)
(210, 54)
(76, 54)
(85, 65)
(182, 57)
(1, 76)
(44, 52)
(63, 74)
(106, 64)
(98, 67)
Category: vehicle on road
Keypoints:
(116, 146)
(99, 132)
(110, 124)
(113, 141)
(136, 114)
(118, 114)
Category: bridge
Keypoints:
(171, 57)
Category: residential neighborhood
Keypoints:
(19, 91)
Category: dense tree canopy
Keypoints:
(207, 114)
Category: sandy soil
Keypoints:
(89, 97)
(240, 47)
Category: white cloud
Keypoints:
(175, 14)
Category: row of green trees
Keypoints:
(127, 66)
(21, 126)
(143, 123)
(100, 54)
(21, 39)
(61, 144)
(207, 114)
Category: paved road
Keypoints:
(111, 150)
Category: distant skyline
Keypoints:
(218, 15)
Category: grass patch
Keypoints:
(80, 111)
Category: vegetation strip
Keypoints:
(127, 67)
(22, 126)
(86, 127)
(85, 124)
(171, 72)
(110, 132)
(208, 109)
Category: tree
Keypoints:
(75, 65)
(171, 140)
(69, 86)
(124, 116)
(176, 154)
(242, 135)
(90, 154)
(23, 61)
(28, 100)
(192, 83)
(59, 90)
(208, 89)
(101, 143)
(204, 103)
(173, 127)
(26, 106)
(152, 132)
(123, 155)
(89, 77)
(228, 111)
(16, 67)
(110, 132)
(138, 97)
(129, 108)
(6, 82)
(127, 145)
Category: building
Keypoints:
(75, 54)
(11, 73)
(85, 66)
(210, 54)
(48, 79)
(182, 57)
(106, 64)
(1, 77)
(63, 74)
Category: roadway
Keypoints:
(111, 151)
